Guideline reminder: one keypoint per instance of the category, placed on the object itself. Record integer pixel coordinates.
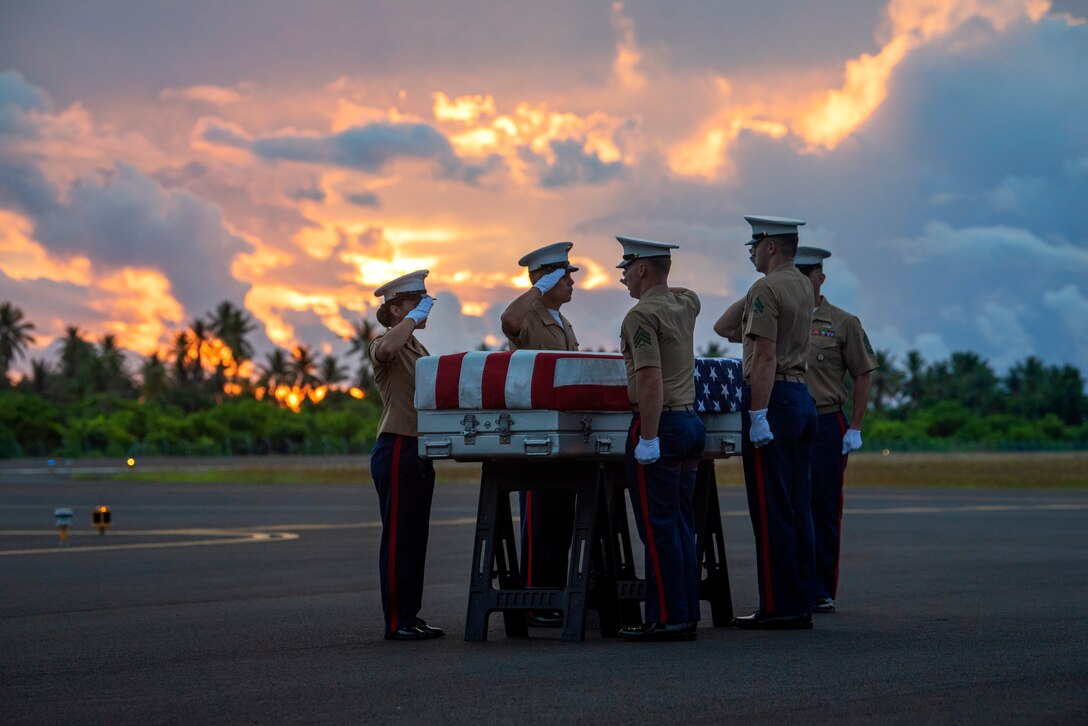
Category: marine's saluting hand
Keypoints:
(420, 312)
(550, 280)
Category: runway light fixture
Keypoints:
(102, 518)
(131, 462)
(63, 517)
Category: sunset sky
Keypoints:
(159, 157)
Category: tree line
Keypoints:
(205, 394)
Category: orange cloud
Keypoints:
(21, 258)
(628, 55)
(822, 119)
(215, 95)
(139, 304)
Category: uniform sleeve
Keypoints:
(857, 353)
(689, 297)
(640, 334)
(370, 351)
(762, 309)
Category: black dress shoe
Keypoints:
(760, 620)
(429, 630)
(544, 619)
(823, 605)
(660, 632)
(408, 632)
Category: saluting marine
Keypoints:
(666, 439)
(773, 320)
(533, 322)
(839, 345)
(404, 481)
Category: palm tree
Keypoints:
(331, 372)
(40, 374)
(153, 375)
(14, 336)
(75, 351)
(179, 354)
(231, 325)
(112, 363)
(199, 338)
(362, 333)
(887, 380)
(914, 386)
(276, 370)
(714, 349)
(303, 365)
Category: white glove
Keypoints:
(422, 309)
(851, 441)
(550, 280)
(761, 430)
(648, 450)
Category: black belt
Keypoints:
(789, 378)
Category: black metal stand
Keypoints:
(591, 581)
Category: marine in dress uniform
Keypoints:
(533, 322)
(773, 320)
(839, 346)
(666, 439)
(403, 480)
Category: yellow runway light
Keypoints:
(102, 518)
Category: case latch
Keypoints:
(503, 427)
(468, 429)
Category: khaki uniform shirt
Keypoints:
(659, 332)
(839, 344)
(397, 385)
(779, 307)
(540, 331)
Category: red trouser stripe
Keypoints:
(764, 534)
(651, 543)
(528, 539)
(394, 494)
(842, 501)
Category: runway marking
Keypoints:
(218, 537)
(278, 533)
(241, 535)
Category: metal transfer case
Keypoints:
(479, 435)
(485, 405)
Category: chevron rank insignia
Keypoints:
(757, 306)
(641, 339)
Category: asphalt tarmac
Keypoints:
(259, 604)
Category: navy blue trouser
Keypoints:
(661, 496)
(828, 473)
(405, 485)
(777, 480)
(547, 528)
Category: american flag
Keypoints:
(522, 379)
(717, 384)
(555, 380)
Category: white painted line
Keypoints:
(226, 538)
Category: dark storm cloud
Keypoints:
(368, 148)
(572, 165)
(17, 97)
(128, 220)
(364, 199)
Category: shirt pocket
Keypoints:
(825, 351)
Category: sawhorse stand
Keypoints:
(591, 580)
